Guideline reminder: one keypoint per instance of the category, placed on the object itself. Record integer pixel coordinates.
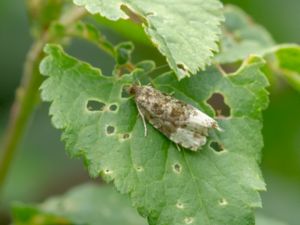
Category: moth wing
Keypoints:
(199, 120)
(188, 139)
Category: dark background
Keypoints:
(42, 168)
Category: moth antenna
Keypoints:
(143, 119)
(216, 126)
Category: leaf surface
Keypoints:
(166, 185)
(185, 32)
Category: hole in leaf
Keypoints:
(223, 202)
(182, 67)
(230, 67)
(94, 105)
(113, 107)
(216, 146)
(125, 92)
(177, 168)
(139, 168)
(216, 101)
(107, 171)
(126, 136)
(188, 220)
(179, 205)
(110, 130)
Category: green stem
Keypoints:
(27, 96)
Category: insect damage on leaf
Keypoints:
(182, 123)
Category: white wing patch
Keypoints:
(187, 139)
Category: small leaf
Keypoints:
(185, 32)
(123, 51)
(87, 204)
(166, 185)
(241, 37)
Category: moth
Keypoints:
(182, 123)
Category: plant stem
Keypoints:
(27, 95)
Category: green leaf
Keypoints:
(241, 37)
(185, 32)
(123, 51)
(88, 204)
(288, 62)
(166, 185)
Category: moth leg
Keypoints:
(143, 119)
(178, 148)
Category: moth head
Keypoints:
(216, 126)
(132, 90)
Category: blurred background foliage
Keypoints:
(42, 168)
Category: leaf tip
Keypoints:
(50, 48)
